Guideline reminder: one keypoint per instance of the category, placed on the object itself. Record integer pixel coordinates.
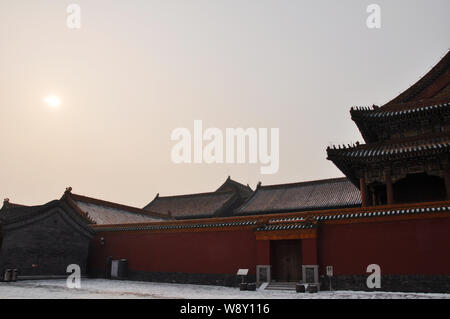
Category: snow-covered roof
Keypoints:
(108, 213)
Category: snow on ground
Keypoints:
(101, 288)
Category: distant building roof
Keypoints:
(13, 212)
(314, 195)
(8, 204)
(244, 191)
(103, 212)
(194, 205)
(19, 216)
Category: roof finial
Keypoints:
(68, 189)
(5, 203)
(259, 185)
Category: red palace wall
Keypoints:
(413, 247)
(309, 252)
(410, 247)
(215, 252)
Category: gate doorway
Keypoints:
(286, 261)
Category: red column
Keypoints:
(389, 189)
(374, 198)
(447, 182)
(363, 189)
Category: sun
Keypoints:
(53, 101)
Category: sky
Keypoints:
(138, 69)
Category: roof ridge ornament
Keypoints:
(68, 190)
(6, 203)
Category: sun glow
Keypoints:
(52, 101)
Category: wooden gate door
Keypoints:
(286, 260)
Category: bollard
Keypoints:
(300, 288)
(251, 287)
(313, 289)
(14, 275)
(7, 275)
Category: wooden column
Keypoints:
(363, 189)
(447, 182)
(374, 198)
(389, 189)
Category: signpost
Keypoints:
(242, 273)
(330, 274)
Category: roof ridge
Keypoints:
(8, 204)
(318, 181)
(235, 183)
(195, 195)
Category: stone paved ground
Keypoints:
(100, 289)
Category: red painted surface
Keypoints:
(402, 247)
(309, 251)
(188, 252)
(263, 252)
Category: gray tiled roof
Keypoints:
(285, 223)
(321, 194)
(380, 113)
(105, 212)
(244, 191)
(16, 213)
(193, 205)
(391, 150)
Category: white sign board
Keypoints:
(242, 272)
(330, 271)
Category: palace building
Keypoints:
(391, 209)
(405, 158)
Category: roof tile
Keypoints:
(321, 194)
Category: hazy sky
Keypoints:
(136, 70)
